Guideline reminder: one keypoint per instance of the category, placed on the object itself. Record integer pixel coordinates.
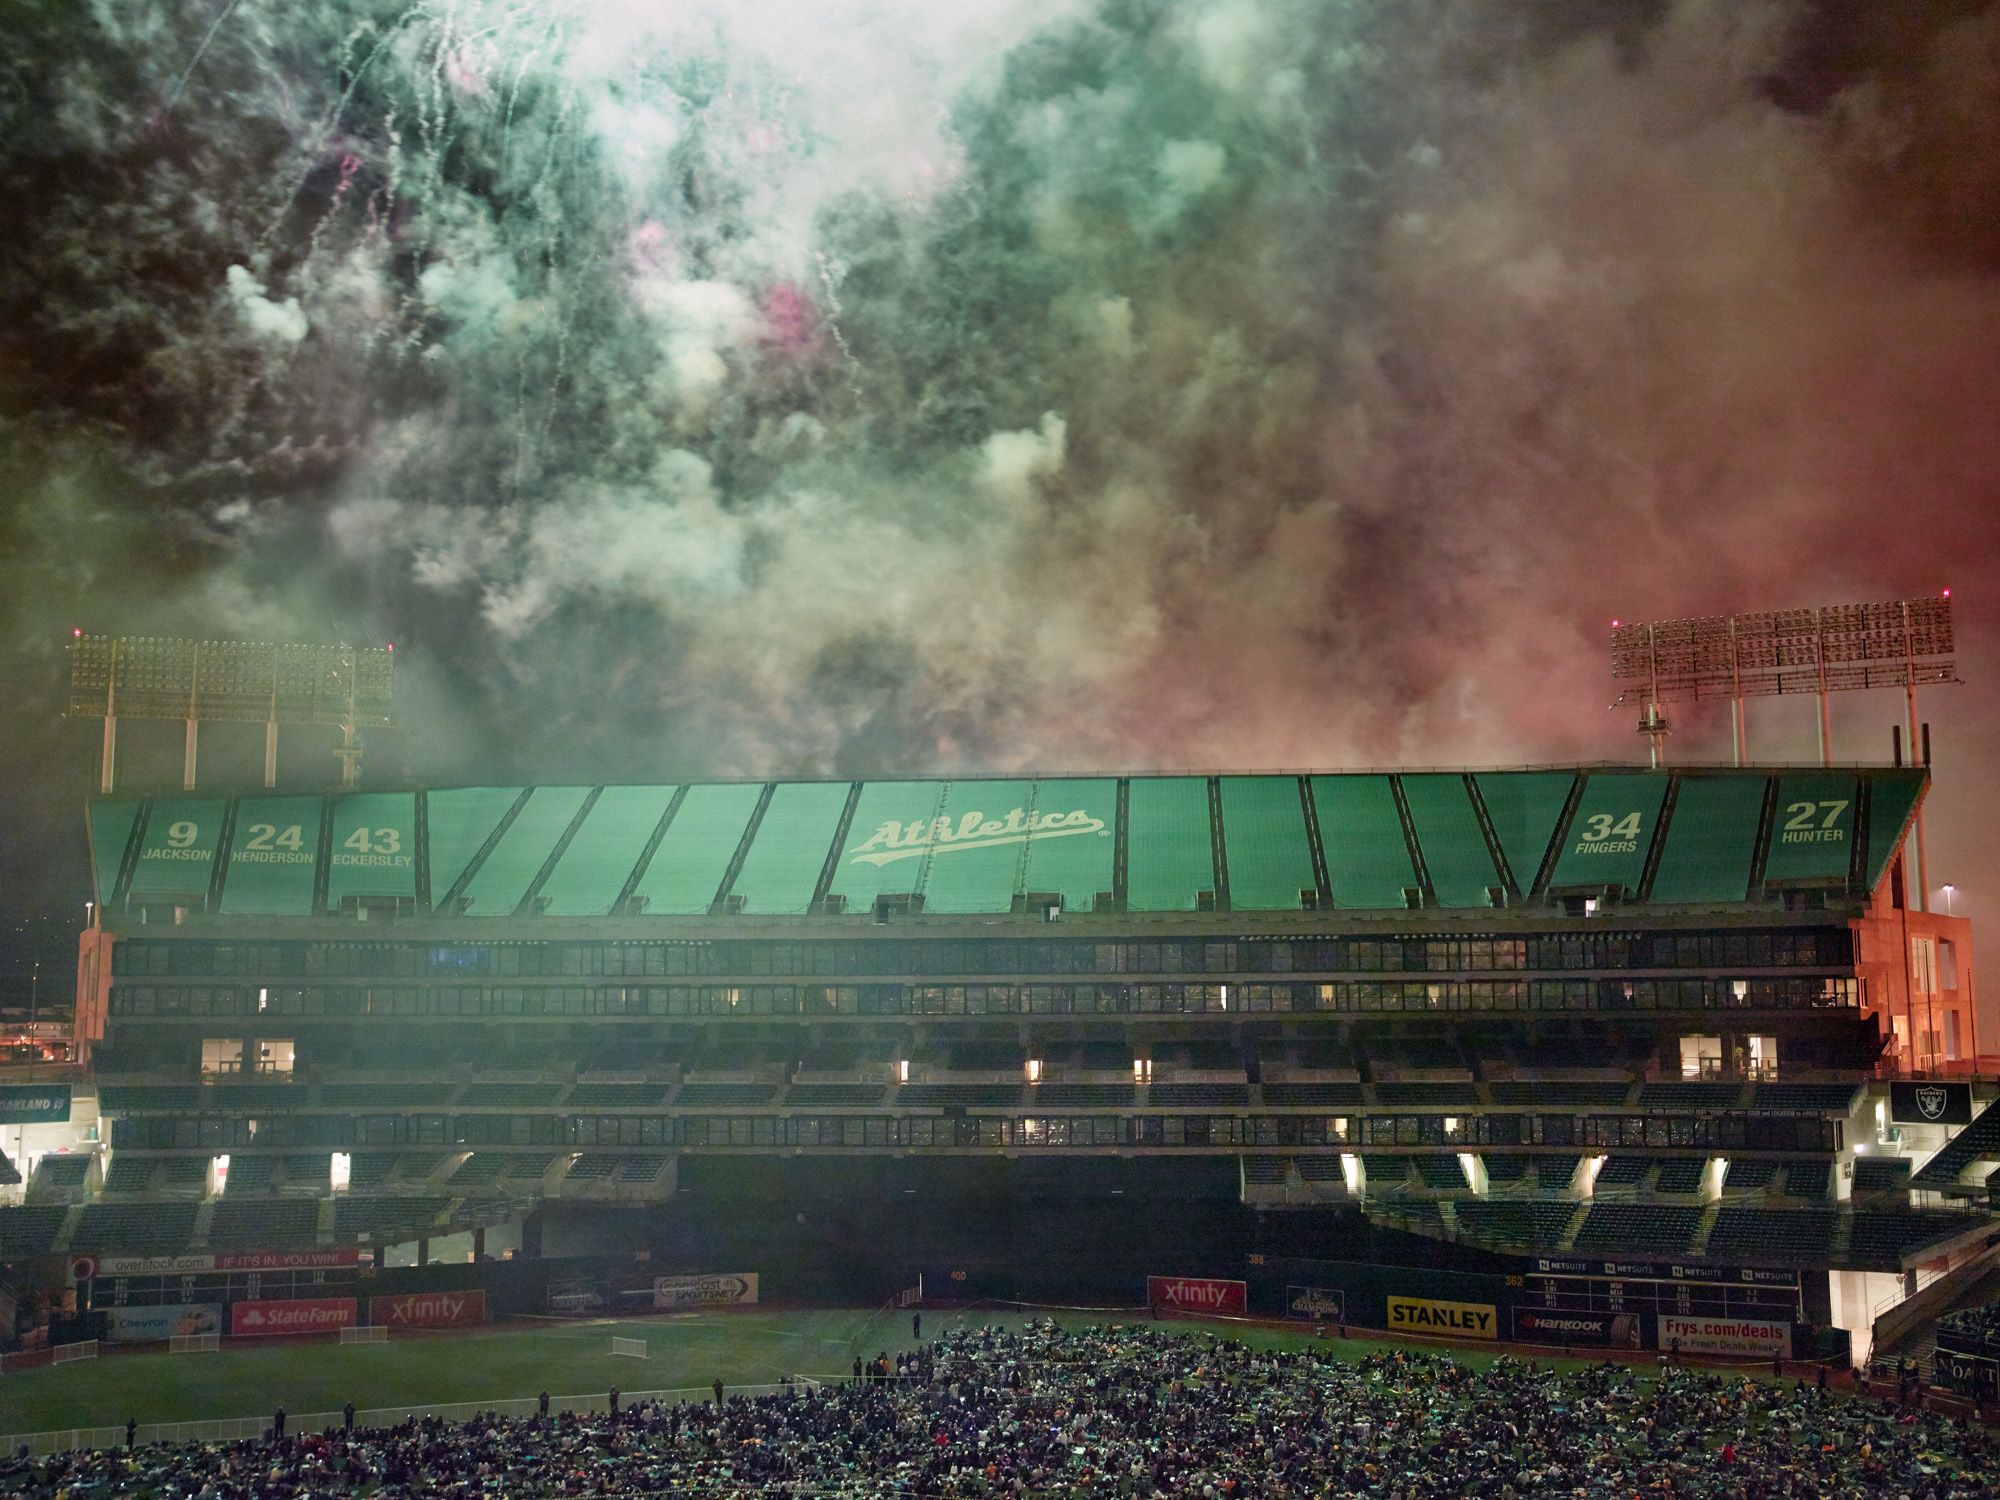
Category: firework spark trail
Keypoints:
(181, 83)
(315, 142)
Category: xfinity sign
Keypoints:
(1197, 1294)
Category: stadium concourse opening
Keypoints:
(1591, 1056)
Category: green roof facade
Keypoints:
(1142, 844)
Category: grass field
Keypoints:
(752, 1347)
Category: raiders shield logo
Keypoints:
(1930, 1102)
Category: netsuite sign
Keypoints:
(974, 830)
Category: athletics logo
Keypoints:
(894, 840)
(1931, 1102)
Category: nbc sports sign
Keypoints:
(1197, 1294)
(428, 1310)
(298, 1315)
(704, 1291)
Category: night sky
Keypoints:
(881, 386)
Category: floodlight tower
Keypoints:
(229, 682)
(1838, 648)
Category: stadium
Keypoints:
(1595, 1056)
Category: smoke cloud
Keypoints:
(879, 385)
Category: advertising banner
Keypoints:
(705, 1291)
(34, 1103)
(1322, 1303)
(288, 1260)
(295, 1315)
(1605, 1330)
(148, 1325)
(576, 1297)
(1459, 1320)
(428, 1310)
(246, 1260)
(1725, 1336)
(1200, 1294)
(1930, 1103)
(1971, 1375)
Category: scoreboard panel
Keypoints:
(1605, 1286)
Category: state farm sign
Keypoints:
(298, 1315)
(428, 1310)
(1203, 1294)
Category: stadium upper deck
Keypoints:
(1432, 842)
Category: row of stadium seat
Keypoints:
(1790, 1236)
(1805, 1098)
(164, 1228)
(1507, 1173)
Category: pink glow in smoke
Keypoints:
(791, 320)
(650, 249)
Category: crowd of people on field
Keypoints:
(1117, 1411)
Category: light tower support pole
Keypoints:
(1825, 711)
(109, 762)
(193, 721)
(271, 733)
(1739, 728)
(1910, 701)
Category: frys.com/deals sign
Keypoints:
(428, 1310)
(1197, 1294)
(1458, 1320)
(294, 1315)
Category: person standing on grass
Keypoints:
(917, 1326)
(131, 1432)
(718, 1393)
(542, 1404)
(347, 1417)
(278, 1425)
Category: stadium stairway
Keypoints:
(1978, 1139)
(1843, 1236)
(72, 1221)
(1699, 1244)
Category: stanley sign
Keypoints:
(1459, 1320)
